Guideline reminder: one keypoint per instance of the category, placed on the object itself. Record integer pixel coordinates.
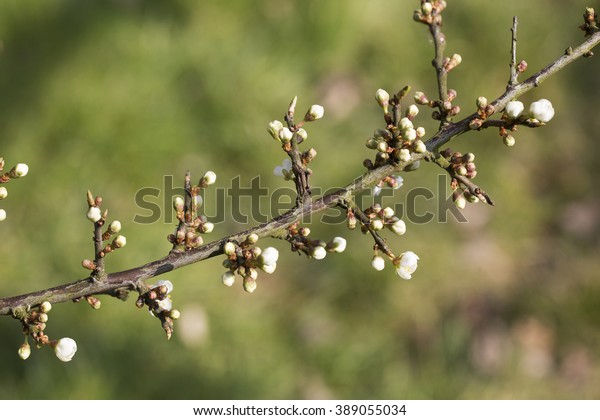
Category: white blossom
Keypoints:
(407, 265)
(376, 190)
(542, 110)
(164, 305)
(514, 109)
(3, 193)
(65, 349)
(115, 227)
(2, 215)
(229, 248)
(404, 155)
(383, 99)
(269, 268)
(120, 241)
(285, 170)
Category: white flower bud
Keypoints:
(115, 227)
(410, 134)
(383, 99)
(120, 241)
(43, 317)
(412, 111)
(2, 215)
(302, 134)
(398, 227)
(420, 132)
(426, 8)
(406, 124)
(382, 146)
(252, 238)
(3, 193)
(94, 214)
(378, 263)
(46, 307)
(174, 314)
(269, 268)
(481, 102)
(207, 227)
(65, 349)
(406, 265)
(542, 110)
(274, 128)
(228, 278)
(178, 203)
(285, 135)
(338, 244)
(314, 113)
(319, 253)
(376, 224)
(209, 178)
(252, 273)
(514, 109)
(460, 202)
(229, 248)
(509, 140)
(21, 170)
(165, 283)
(24, 351)
(419, 146)
(249, 284)
(388, 212)
(404, 155)
(269, 256)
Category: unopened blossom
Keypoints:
(21, 170)
(94, 214)
(542, 110)
(338, 244)
(209, 178)
(378, 263)
(269, 256)
(398, 227)
(274, 128)
(65, 349)
(383, 99)
(24, 351)
(314, 113)
(514, 109)
(318, 253)
(228, 278)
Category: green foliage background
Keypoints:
(114, 95)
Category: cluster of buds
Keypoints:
(444, 108)
(110, 235)
(405, 264)
(191, 224)
(462, 165)
(591, 22)
(540, 112)
(34, 325)
(395, 143)
(430, 12)
(297, 236)
(380, 218)
(284, 134)
(484, 111)
(19, 171)
(245, 259)
(159, 303)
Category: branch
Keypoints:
(452, 130)
(118, 284)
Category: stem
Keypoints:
(452, 130)
(514, 73)
(115, 283)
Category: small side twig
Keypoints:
(514, 72)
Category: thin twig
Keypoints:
(514, 72)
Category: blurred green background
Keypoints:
(114, 95)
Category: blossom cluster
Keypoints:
(18, 171)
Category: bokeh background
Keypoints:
(115, 95)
